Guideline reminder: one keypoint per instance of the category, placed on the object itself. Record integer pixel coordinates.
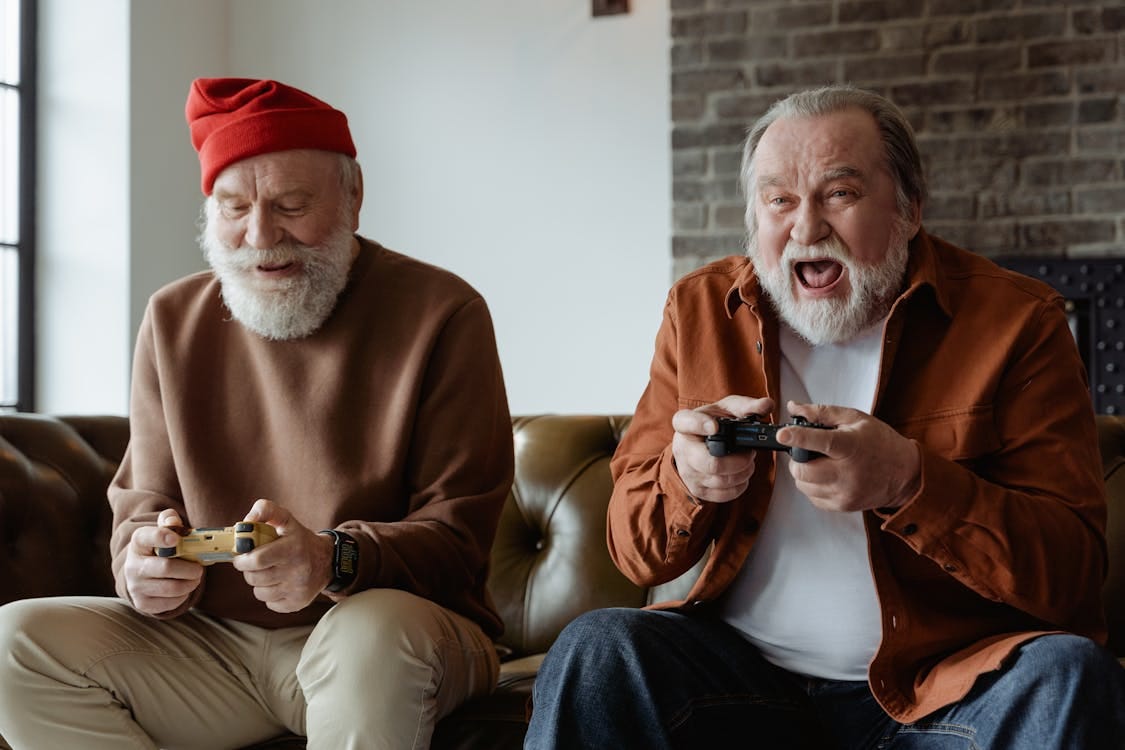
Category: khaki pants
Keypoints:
(378, 671)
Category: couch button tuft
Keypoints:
(909, 529)
(683, 532)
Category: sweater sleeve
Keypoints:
(459, 471)
(145, 483)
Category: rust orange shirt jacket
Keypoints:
(1004, 539)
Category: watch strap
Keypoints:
(345, 560)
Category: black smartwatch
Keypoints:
(345, 560)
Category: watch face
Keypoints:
(345, 560)
(349, 555)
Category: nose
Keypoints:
(262, 232)
(809, 226)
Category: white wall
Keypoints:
(83, 233)
(165, 199)
(116, 205)
(522, 145)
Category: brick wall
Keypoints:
(1019, 108)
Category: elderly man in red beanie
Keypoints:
(347, 397)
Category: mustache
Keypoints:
(831, 248)
(249, 258)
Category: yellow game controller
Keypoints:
(219, 543)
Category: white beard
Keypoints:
(873, 289)
(283, 309)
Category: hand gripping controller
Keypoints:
(219, 543)
(738, 433)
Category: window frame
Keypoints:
(26, 184)
(29, 79)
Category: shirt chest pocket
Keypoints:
(957, 434)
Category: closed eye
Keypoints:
(234, 210)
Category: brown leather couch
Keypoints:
(549, 562)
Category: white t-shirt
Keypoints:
(805, 596)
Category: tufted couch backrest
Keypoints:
(54, 518)
(549, 562)
(550, 544)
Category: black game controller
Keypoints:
(750, 432)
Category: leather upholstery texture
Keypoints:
(549, 561)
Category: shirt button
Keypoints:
(909, 529)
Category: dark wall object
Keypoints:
(609, 7)
(1094, 289)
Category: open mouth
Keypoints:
(818, 275)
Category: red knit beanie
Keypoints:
(235, 118)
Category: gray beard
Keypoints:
(289, 308)
(873, 289)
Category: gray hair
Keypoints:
(349, 177)
(903, 160)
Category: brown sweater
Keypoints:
(390, 422)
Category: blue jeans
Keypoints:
(630, 678)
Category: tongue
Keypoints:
(819, 274)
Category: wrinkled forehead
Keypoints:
(819, 147)
(278, 173)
